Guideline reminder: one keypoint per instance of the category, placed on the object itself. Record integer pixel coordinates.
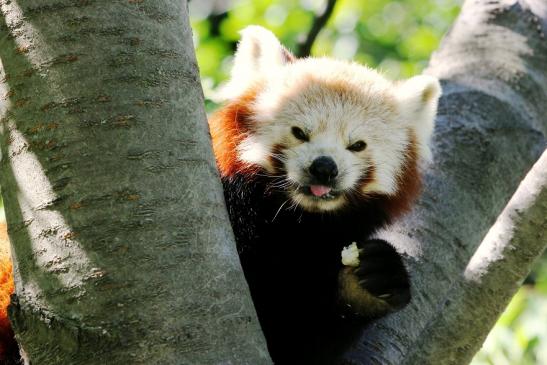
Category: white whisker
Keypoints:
(279, 210)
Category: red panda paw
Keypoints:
(377, 284)
(382, 273)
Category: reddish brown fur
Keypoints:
(228, 127)
(342, 89)
(409, 181)
(8, 346)
(368, 177)
(277, 150)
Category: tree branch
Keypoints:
(320, 20)
(493, 275)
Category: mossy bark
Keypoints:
(122, 245)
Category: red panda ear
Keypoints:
(421, 91)
(258, 53)
(418, 97)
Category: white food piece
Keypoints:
(350, 255)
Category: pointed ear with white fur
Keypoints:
(258, 52)
(418, 97)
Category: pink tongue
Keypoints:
(319, 190)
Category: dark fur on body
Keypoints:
(292, 260)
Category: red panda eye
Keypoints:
(299, 134)
(357, 146)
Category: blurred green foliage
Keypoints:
(520, 335)
(398, 38)
(395, 36)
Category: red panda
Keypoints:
(316, 154)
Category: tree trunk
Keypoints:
(490, 130)
(122, 245)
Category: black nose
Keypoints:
(324, 169)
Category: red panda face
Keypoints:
(328, 140)
(327, 132)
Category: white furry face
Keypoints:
(331, 130)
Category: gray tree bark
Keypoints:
(491, 277)
(122, 245)
(490, 130)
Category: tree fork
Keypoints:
(122, 244)
(492, 276)
(490, 130)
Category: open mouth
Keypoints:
(319, 192)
